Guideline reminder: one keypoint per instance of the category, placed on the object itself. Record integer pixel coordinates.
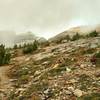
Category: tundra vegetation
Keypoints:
(68, 71)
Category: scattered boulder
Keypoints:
(78, 93)
(71, 89)
(68, 92)
(97, 74)
(68, 69)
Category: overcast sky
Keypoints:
(46, 17)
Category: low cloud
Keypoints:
(47, 17)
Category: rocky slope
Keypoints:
(64, 71)
(72, 31)
(68, 70)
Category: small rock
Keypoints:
(64, 41)
(94, 65)
(82, 65)
(97, 74)
(68, 92)
(93, 45)
(27, 59)
(46, 62)
(71, 89)
(13, 80)
(72, 59)
(68, 69)
(37, 73)
(56, 65)
(73, 81)
(55, 84)
(24, 68)
(47, 91)
(78, 93)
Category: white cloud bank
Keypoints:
(47, 17)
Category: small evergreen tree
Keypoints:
(6, 58)
(96, 59)
(68, 37)
(19, 46)
(76, 37)
(93, 34)
(24, 45)
(29, 48)
(35, 45)
(15, 46)
(97, 55)
(4, 55)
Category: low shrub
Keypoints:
(93, 34)
(15, 46)
(77, 36)
(96, 59)
(29, 48)
(68, 37)
(4, 55)
(97, 55)
(88, 51)
(92, 96)
(23, 79)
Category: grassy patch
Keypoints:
(92, 96)
(35, 88)
(85, 82)
(88, 51)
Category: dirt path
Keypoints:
(5, 84)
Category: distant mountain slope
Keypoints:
(25, 37)
(74, 30)
(28, 37)
(9, 38)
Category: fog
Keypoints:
(47, 17)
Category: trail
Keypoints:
(5, 83)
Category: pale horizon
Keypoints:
(47, 17)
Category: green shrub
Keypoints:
(36, 87)
(58, 41)
(93, 34)
(4, 55)
(23, 79)
(15, 46)
(85, 82)
(6, 58)
(68, 37)
(97, 55)
(76, 37)
(92, 96)
(29, 48)
(19, 46)
(44, 44)
(88, 51)
(96, 59)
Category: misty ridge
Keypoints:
(45, 17)
(42, 17)
(10, 38)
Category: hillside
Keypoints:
(10, 38)
(72, 31)
(60, 71)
